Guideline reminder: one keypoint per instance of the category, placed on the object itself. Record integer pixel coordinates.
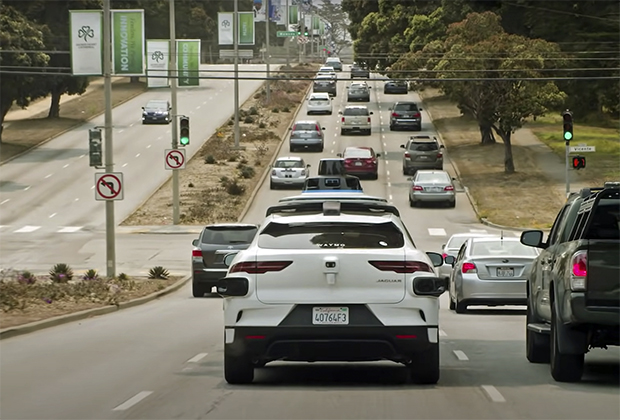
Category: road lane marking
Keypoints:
(388, 173)
(81, 156)
(331, 151)
(27, 188)
(27, 229)
(198, 107)
(493, 393)
(517, 234)
(436, 232)
(124, 165)
(133, 401)
(52, 215)
(5, 201)
(132, 124)
(460, 355)
(160, 137)
(390, 197)
(197, 358)
(148, 147)
(442, 333)
(65, 166)
(48, 175)
(478, 230)
(204, 103)
(69, 229)
(120, 131)
(92, 188)
(389, 184)
(138, 155)
(384, 144)
(77, 199)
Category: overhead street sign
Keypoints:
(109, 186)
(582, 149)
(282, 34)
(174, 159)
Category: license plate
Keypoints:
(505, 272)
(435, 189)
(330, 315)
(306, 136)
(358, 163)
(423, 158)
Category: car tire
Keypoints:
(369, 132)
(291, 149)
(329, 113)
(460, 307)
(392, 128)
(452, 204)
(537, 346)
(412, 203)
(424, 368)
(199, 290)
(564, 367)
(418, 128)
(238, 370)
(272, 186)
(452, 304)
(375, 176)
(342, 132)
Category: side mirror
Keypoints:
(331, 97)
(390, 108)
(195, 242)
(402, 146)
(378, 154)
(436, 258)
(410, 178)
(449, 260)
(308, 165)
(430, 286)
(442, 147)
(290, 128)
(228, 258)
(453, 179)
(420, 109)
(339, 112)
(233, 286)
(371, 113)
(533, 238)
(143, 108)
(339, 155)
(322, 128)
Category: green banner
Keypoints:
(246, 28)
(315, 23)
(188, 62)
(128, 43)
(293, 15)
(322, 28)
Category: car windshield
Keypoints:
(305, 127)
(502, 248)
(427, 146)
(156, 105)
(288, 164)
(228, 235)
(354, 153)
(355, 111)
(322, 235)
(406, 107)
(319, 98)
(422, 177)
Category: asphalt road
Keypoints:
(163, 360)
(47, 196)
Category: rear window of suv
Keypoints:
(406, 107)
(322, 235)
(228, 235)
(305, 127)
(355, 111)
(426, 146)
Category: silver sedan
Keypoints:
(490, 271)
(432, 186)
(289, 171)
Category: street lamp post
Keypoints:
(236, 61)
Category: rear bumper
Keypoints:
(298, 182)
(364, 75)
(500, 292)
(423, 165)
(432, 197)
(306, 142)
(396, 90)
(405, 123)
(208, 277)
(576, 311)
(320, 343)
(358, 98)
(361, 171)
(351, 127)
(319, 109)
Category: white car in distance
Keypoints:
(332, 281)
(320, 103)
(328, 71)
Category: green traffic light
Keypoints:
(184, 141)
(568, 135)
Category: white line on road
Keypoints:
(77, 199)
(493, 393)
(52, 215)
(390, 197)
(460, 355)
(478, 230)
(48, 175)
(388, 173)
(65, 166)
(442, 333)
(204, 103)
(81, 156)
(120, 131)
(92, 188)
(436, 232)
(160, 137)
(331, 151)
(133, 401)
(334, 142)
(389, 184)
(197, 358)
(384, 144)
(69, 229)
(138, 155)
(198, 107)
(27, 229)
(5, 201)
(27, 188)
(148, 147)
(124, 165)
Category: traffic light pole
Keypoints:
(567, 169)
(287, 40)
(110, 224)
(267, 53)
(173, 103)
(237, 133)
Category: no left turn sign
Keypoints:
(109, 186)
(174, 159)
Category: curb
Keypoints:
(248, 203)
(89, 313)
(67, 130)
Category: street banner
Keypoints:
(86, 29)
(308, 22)
(259, 10)
(316, 25)
(128, 43)
(188, 62)
(246, 28)
(322, 28)
(157, 59)
(293, 15)
(225, 28)
(277, 11)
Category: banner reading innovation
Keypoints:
(86, 33)
(188, 62)
(128, 42)
(246, 28)
(157, 59)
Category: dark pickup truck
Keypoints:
(574, 286)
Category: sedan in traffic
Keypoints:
(491, 271)
(289, 171)
(305, 135)
(395, 86)
(432, 187)
(320, 103)
(451, 248)
(361, 161)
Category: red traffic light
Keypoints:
(579, 162)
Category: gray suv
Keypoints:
(325, 83)
(306, 134)
(405, 115)
(213, 244)
(422, 152)
(358, 92)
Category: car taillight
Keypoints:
(439, 155)
(370, 160)
(260, 267)
(416, 115)
(401, 266)
(273, 172)
(394, 114)
(579, 271)
(407, 155)
(342, 119)
(317, 128)
(196, 253)
(468, 268)
(444, 255)
(368, 119)
(417, 188)
(449, 188)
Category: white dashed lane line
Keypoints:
(52, 215)
(48, 175)
(148, 147)
(493, 393)
(92, 188)
(133, 401)
(81, 156)
(27, 188)
(460, 355)
(197, 358)
(125, 165)
(65, 166)
(5, 201)
(437, 232)
(442, 333)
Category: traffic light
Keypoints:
(306, 32)
(184, 137)
(95, 147)
(567, 117)
(579, 162)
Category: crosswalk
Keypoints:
(47, 229)
(442, 232)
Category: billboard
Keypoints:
(188, 62)
(128, 46)
(157, 59)
(86, 34)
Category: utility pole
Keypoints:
(287, 40)
(173, 102)
(236, 60)
(110, 224)
(267, 53)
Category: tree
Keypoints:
(336, 19)
(18, 36)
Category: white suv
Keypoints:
(332, 281)
(355, 118)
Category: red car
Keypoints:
(361, 161)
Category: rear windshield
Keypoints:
(427, 146)
(318, 98)
(363, 153)
(503, 248)
(288, 164)
(331, 235)
(606, 221)
(432, 178)
(355, 111)
(332, 183)
(227, 235)
(405, 107)
(305, 127)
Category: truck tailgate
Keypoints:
(603, 278)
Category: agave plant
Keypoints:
(91, 275)
(158, 272)
(61, 273)
(26, 277)
(122, 276)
